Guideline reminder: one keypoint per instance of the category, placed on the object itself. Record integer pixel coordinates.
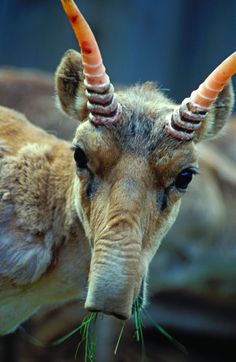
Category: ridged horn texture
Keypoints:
(188, 117)
(102, 102)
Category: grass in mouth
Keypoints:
(137, 312)
(87, 331)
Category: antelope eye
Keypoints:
(80, 158)
(184, 178)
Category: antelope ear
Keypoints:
(218, 116)
(69, 84)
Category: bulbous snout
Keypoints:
(114, 284)
(117, 269)
(109, 298)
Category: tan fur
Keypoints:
(61, 226)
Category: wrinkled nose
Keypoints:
(116, 269)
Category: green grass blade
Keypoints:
(119, 339)
(136, 324)
(88, 337)
(85, 321)
(67, 336)
(77, 348)
(179, 345)
(90, 343)
(139, 326)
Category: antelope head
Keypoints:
(135, 154)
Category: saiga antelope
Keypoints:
(86, 220)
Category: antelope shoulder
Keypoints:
(30, 196)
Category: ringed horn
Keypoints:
(187, 117)
(102, 102)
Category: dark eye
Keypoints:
(184, 178)
(80, 158)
